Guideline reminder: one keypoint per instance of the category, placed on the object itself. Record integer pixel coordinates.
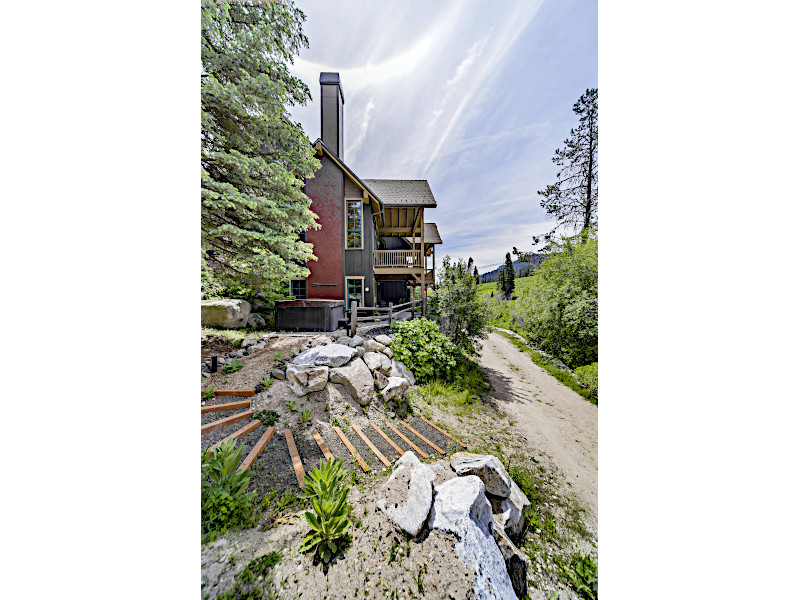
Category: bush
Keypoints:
(587, 375)
(559, 312)
(325, 488)
(225, 502)
(424, 349)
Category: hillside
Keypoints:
(519, 267)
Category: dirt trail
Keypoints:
(558, 422)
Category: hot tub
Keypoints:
(314, 314)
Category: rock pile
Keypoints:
(473, 498)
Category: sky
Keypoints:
(474, 97)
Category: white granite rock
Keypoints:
(357, 380)
(400, 370)
(408, 493)
(304, 379)
(490, 470)
(395, 387)
(383, 339)
(330, 355)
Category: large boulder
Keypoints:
(356, 379)
(304, 379)
(224, 314)
(408, 493)
(490, 470)
(510, 512)
(356, 341)
(373, 346)
(400, 370)
(460, 507)
(380, 379)
(386, 365)
(516, 562)
(388, 352)
(395, 388)
(383, 339)
(330, 355)
(373, 360)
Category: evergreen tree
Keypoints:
(253, 158)
(508, 276)
(501, 278)
(477, 277)
(572, 199)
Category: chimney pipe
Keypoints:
(332, 112)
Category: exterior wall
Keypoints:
(358, 263)
(332, 119)
(326, 191)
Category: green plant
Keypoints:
(424, 349)
(278, 356)
(581, 574)
(267, 417)
(233, 366)
(266, 382)
(291, 406)
(587, 375)
(247, 585)
(225, 502)
(208, 393)
(328, 521)
(305, 417)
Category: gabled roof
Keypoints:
(431, 235)
(402, 192)
(319, 145)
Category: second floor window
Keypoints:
(354, 224)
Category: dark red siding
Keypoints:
(326, 191)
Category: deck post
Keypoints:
(353, 317)
(390, 313)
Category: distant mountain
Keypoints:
(520, 267)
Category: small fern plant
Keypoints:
(325, 488)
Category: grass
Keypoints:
(501, 310)
(564, 377)
(232, 336)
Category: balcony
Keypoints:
(396, 261)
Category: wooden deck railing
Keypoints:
(398, 258)
(387, 314)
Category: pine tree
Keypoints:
(477, 277)
(253, 158)
(508, 276)
(572, 199)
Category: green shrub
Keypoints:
(225, 502)
(587, 375)
(325, 488)
(267, 417)
(581, 574)
(233, 366)
(422, 348)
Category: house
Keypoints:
(374, 243)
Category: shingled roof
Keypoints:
(431, 235)
(402, 192)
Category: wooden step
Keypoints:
(397, 448)
(442, 431)
(297, 464)
(372, 447)
(260, 444)
(321, 443)
(227, 406)
(350, 447)
(245, 393)
(422, 437)
(422, 453)
(239, 433)
(214, 425)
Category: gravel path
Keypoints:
(555, 419)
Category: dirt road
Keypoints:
(559, 423)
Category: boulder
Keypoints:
(224, 314)
(487, 467)
(344, 340)
(249, 341)
(380, 380)
(386, 364)
(373, 361)
(400, 370)
(383, 339)
(510, 512)
(278, 374)
(388, 353)
(516, 562)
(460, 507)
(357, 380)
(373, 346)
(258, 346)
(304, 379)
(256, 321)
(441, 474)
(395, 388)
(356, 341)
(361, 351)
(320, 340)
(330, 355)
(407, 494)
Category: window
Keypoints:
(355, 290)
(300, 288)
(353, 224)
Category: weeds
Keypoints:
(267, 381)
(247, 585)
(291, 406)
(209, 392)
(328, 521)
(581, 575)
(233, 366)
(268, 418)
(225, 502)
(278, 357)
(305, 417)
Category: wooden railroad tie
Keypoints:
(239, 433)
(350, 447)
(372, 447)
(257, 449)
(297, 464)
(422, 453)
(387, 438)
(442, 431)
(227, 406)
(422, 437)
(214, 425)
(243, 393)
(321, 443)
